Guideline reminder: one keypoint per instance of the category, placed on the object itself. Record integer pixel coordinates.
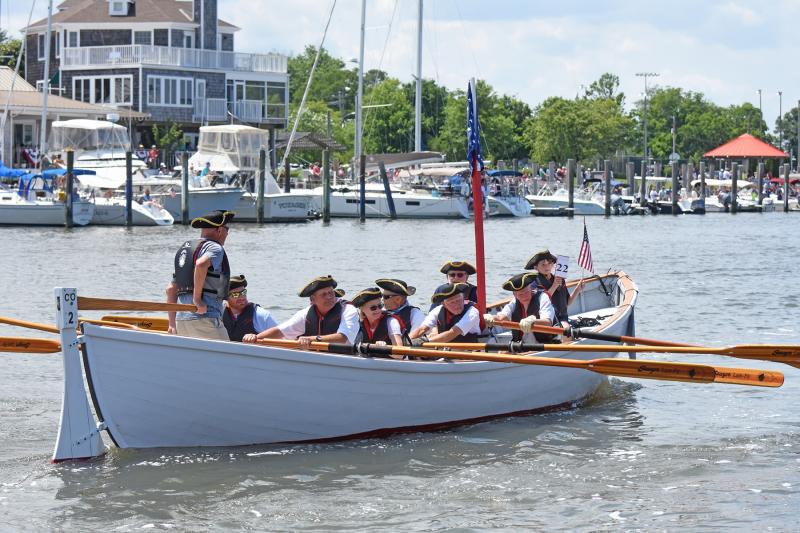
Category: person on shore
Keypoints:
(453, 319)
(201, 278)
(242, 317)
(377, 326)
(395, 301)
(530, 307)
(543, 263)
(459, 272)
(328, 318)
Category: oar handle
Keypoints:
(86, 303)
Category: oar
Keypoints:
(26, 345)
(141, 322)
(26, 324)
(107, 304)
(577, 333)
(779, 353)
(612, 367)
(737, 376)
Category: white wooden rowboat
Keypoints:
(155, 390)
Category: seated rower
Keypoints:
(554, 286)
(241, 317)
(377, 326)
(459, 272)
(327, 319)
(453, 319)
(530, 306)
(395, 301)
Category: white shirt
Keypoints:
(392, 326)
(469, 323)
(416, 317)
(546, 309)
(348, 325)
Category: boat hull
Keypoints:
(282, 207)
(158, 390)
(111, 212)
(44, 213)
(201, 201)
(346, 204)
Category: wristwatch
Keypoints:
(317, 338)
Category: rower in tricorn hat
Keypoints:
(543, 262)
(201, 278)
(241, 316)
(530, 306)
(459, 272)
(328, 318)
(376, 325)
(395, 301)
(453, 318)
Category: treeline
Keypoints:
(594, 125)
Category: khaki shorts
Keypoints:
(202, 328)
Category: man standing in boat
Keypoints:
(201, 278)
(242, 317)
(327, 319)
(453, 319)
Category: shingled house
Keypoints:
(171, 59)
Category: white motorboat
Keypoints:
(718, 197)
(232, 150)
(36, 202)
(345, 202)
(111, 212)
(150, 389)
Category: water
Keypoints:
(642, 455)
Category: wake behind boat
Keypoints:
(156, 390)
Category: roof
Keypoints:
(96, 11)
(87, 124)
(26, 99)
(231, 128)
(746, 145)
(410, 159)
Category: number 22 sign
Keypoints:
(561, 268)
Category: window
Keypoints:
(162, 90)
(118, 7)
(109, 90)
(40, 47)
(72, 39)
(188, 39)
(58, 45)
(143, 37)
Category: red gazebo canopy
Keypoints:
(746, 145)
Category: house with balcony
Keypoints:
(173, 60)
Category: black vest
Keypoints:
(326, 324)
(241, 325)
(381, 332)
(185, 259)
(533, 309)
(403, 317)
(559, 299)
(446, 321)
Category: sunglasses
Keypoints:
(375, 307)
(237, 294)
(456, 274)
(387, 296)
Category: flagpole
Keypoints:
(477, 211)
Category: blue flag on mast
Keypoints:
(473, 128)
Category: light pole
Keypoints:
(759, 99)
(645, 75)
(674, 132)
(780, 120)
(797, 167)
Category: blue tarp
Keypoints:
(53, 172)
(6, 172)
(502, 173)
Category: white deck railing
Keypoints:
(216, 110)
(139, 54)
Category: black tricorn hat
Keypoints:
(373, 293)
(237, 282)
(214, 219)
(447, 290)
(539, 256)
(397, 286)
(520, 281)
(457, 265)
(319, 283)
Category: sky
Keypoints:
(725, 49)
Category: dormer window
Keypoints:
(118, 8)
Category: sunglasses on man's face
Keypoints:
(387, 296)
(458, 275)
(238, 294)
(375, 307)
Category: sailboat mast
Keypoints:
(360, 93)
(46, 82)
(418, 102)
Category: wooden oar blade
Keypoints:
(26, 345)
(26, 324)
(141, 322)
(780, 353)
(748, 376)
(86, 303)
(659, 370)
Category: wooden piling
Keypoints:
(69, 185)
(701, 192)
(185, 189)
(675, 189)
(551, 175)
(760, 182)
(643, 187)
(734, 187)
(326, 186)
(571, 176)
(128, 189)
(287, 176)
(607, 183)
(687, 181)
(786, 169)
(260, 181)
(535, 176)
(630, 171)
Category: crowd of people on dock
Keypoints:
(380, 314)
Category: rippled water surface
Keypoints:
(642, 455)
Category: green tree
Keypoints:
(606, 86)
(9, 48)
(434, 98)
(167, 138)
(333, 82)
(389, 128)
(788, 124)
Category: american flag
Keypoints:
(473, 127)
(585, 255)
